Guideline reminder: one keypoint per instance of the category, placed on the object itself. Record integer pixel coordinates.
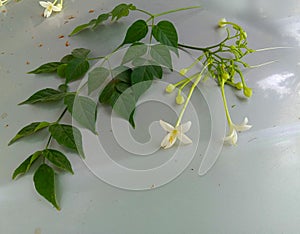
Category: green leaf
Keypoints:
(29, 130)
(80, 53)
(67, 58)
(122, 75)
(46, 68)
(76, 68)
(58, 159)
(133, 52)
(107, 92)
(44, 182)
(63, 87)
(125, 104)
(141, 74)
(44, 95)
(61, 70)
(161, 55)
(165, 33)
(83, 109)
(96, 78)
(121, 86)
(131, 119)
(111, 93)
(137, 31)
(25, 165)
(101, 18)
(68, 136)
(79, 28)
(121, 10)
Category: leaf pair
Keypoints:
(44, 176)
(121, 10)
(71, 67)
(66, 135)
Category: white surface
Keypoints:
(253, 188)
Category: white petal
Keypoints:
(232, 137)
(184, 127)
(184, 139)
(44, 4)
(166, 126)
(167, 142)
(56, 8)
(47, 13)
(235, 137)
(242, 128)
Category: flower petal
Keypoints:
(184, 127)
(166, 126)
(184, 139)
(232, 137)
(243, 126)
(47, 13)
(56, 8)
(168, 141)
(43, 4)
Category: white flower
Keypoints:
(50, 7)
(232, 137)
(174, 133)
(2, 2)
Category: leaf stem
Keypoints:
(175, 10)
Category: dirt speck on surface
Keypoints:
(4, 115)
(67, 43)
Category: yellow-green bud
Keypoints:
(170, 88)
(225, 76)
(222, 22)
(239, 85)
(247, 92)
(183, 71)
(179, 99)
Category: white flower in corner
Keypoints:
(2, 2)
(174, 133)
(49, 8)
(232, 137)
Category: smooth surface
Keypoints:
(253, 188)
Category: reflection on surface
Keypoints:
(279, 83)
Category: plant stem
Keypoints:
(187, 100)
(175, 10)
(225, 104)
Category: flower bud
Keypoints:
(247, 92)
(183, 71)
(239, 85)
(222, 22)
(179, 99)
(225, 76)
(170, 88)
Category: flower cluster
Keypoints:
(50, 7)
(221, 68)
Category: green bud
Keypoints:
(183, 71)
(170, 88)
(179, 99)
(222, 22)
(239, 85)
(247, 92)
(225, 76)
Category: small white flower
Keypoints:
(50, 7)
(174, 133)
(2, 2)
(232, 137)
